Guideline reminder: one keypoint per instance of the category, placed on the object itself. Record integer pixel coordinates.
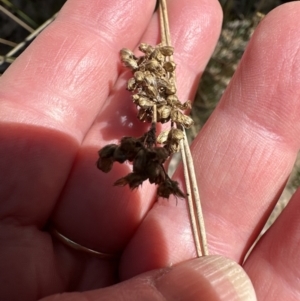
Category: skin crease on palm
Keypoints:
(64, 98)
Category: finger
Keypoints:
(117, 212)
(62, 80)
(276, 257)
(50, 96)
(209, 278)
(243, 155)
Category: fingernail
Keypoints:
(209, 278)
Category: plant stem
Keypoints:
(194, 203)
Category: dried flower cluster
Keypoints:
(154, 94)
(147, 161)
(153, 83)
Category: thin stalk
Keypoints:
(20, 13)
(190, 201)
(196, 195)
(154, 120)
(194, 202)
(16, 19)
(8, 43)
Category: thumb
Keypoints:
(209, 278)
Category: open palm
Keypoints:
(64, 99)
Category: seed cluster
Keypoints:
(153, 83)
(154, 94)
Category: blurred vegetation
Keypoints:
(240, 20)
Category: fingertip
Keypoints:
(212, 278)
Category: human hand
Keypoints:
(64, 98)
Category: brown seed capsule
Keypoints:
(166, 50)
(169, 66)
(158, 55)
(146, 48)
(107, 151)
(106, 159)
(145, 103)
(149, 79)
(171, 89)
(175, 135)
(163, 137)
(168, 187)
(173, 100)
(141, 160)
(133, 180)
(145, 115)
(135, 98)
(179, 118)
(163, 113)
(155, 173)
(151, 91)
(153, 66)
(105, 164)
(139, 76)
(126, 54)
(167, 85)
(161, 155)
(130, 63)
(187, 121)
(130, 146)
(186, 105)
(131, 84)
(173, 142)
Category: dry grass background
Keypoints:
(240, 19)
